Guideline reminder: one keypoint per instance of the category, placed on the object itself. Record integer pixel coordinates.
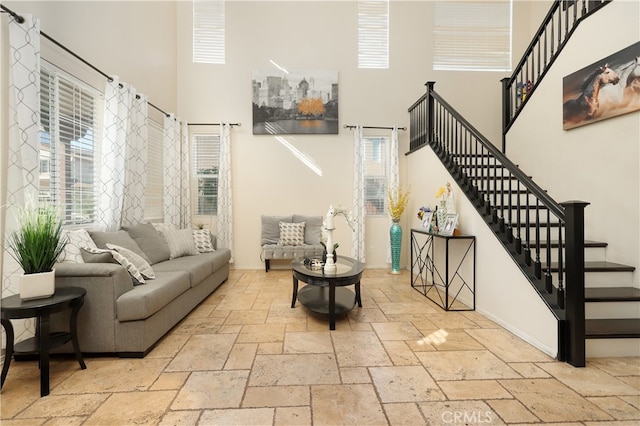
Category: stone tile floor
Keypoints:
(244, 357)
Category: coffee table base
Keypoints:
(317, 299)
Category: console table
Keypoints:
(448, 282)
(15, 308)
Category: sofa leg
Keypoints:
(266, 265)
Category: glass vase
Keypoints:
(441, 215)
(395, 235)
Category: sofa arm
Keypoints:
(69, 274)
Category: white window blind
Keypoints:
(206, 159)
(373, 34)
(69, 145)
(376, 169)
(472, 35)
(153, 197)
(208, 32)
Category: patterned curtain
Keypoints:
(394, 175)
(176, 179)
(358, 212)
(136, 163)
(23, 168)
(225, 210)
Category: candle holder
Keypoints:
(329, 265)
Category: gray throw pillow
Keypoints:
(119, 238)
(271, 228)
(313, 228)
(150, 242)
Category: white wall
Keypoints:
(599, 162)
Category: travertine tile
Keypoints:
(405, 384)
(529, 370)
(511, 410)
(473, 389)
(266, 333)
(56, 421)
(629, 366)
(64, 406)
(241, 356)
(403, 414)
(458, 412)
(211, 389)
(346, 404)
(300, 416)
(167, 381)
(588, 381)
(276, 396)
(452, 340)
(352, 375)
(242, 416)
(465, 365)
(349, 349)
(253, 316)
(400, 353)
(396, 331)
(140, 408)
(302, 369)
(203, 352)
(180, 418)
(616, 407)
(318, 342)
(508, 347)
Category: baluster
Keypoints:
(548, 284)
(537, 265)
(527, 247)
(502, 206)
(560, 269)
(510, 211)
(518, 226)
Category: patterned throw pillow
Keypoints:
(202, 240)
(130, 267)
(180, 242)
(291, 234)
(76, 240)
(141, 264)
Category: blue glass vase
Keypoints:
(395, 234)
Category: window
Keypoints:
(69, 145)
(206, 157)
(472, 35)
(208, 32)
(375, 174)
(153, 201)
(373, 34)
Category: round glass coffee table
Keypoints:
(325, 293)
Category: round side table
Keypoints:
(13, 307)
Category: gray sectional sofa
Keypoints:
(124, 317)
(277, 246)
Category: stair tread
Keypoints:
(612, 328)
(611, 294)
(600, 266)
(555, 243)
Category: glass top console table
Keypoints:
(443, 268)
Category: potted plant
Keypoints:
(36, 245)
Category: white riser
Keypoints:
(613, 310)
(601, 348)
(590, 254)
(608, 279)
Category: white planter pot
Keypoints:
(37, 286)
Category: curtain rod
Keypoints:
(19, 19)
(212, 124)
(351, 126)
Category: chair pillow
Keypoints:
(180, 242)
(291, 234)
(202, 240)
(76, 239)
(122, 260)
(141, 264)
(312, 229)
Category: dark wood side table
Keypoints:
(13, 307)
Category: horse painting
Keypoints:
(632, 86)
(585, 106)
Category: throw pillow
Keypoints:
(76, 240)
(271, 229)
(129, 266)
(312, 229)
(150, 241)
(120, 238)
(180, 242)
(141, 264)
(291, 234)
(202, 240)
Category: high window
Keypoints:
(376, 175)
(69, 145)
(373, 34)
(208, 32)
(206, 157)
(472, 35)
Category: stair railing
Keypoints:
(554, 32)
(521, 214)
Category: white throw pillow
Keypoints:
(122, 260)
(141, 264)
(77, 239)
(202, 240)
(180, 242)
(291, 234)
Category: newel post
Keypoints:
(574, 333)
(506, 111)
(430, 112)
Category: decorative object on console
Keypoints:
(36, 245)
(397, 203)
(447, 205)
(449, 224)
(329, 256)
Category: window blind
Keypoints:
(206, 159)
(153, 197)
(209, 32)
(472, 35)
(69, 145)
(373, 34)
(376, 157)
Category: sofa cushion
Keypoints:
(312, 229)
(291, 234)
(141, 264)
(122, 260)
(197, 267)
(145, 300)
(120, 238)
(271, 228)
(76, 239)
(180, 242)
(150, 241)
(202, 240)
